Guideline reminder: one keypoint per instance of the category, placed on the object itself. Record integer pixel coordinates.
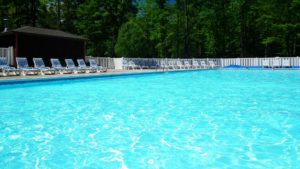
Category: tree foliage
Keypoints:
(168, 28)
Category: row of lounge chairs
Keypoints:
(170, 65)
(39, 67)
(186, 64)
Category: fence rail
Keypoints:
(222, 62)
(8, 54)
(103, 61)
(294, 61)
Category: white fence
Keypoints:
(154, 62)
(222, 62)
(294, 61)
(103, 61)
(8, 54)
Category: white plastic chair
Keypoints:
(195, 64)
(5, 69)
(212, 64)
(57, 66)
(93, 64)
(203, 64)
(179, 64)
(23, 67)
(187, 64)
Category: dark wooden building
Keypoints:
(33, 42)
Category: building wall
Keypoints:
(49, 47)
(7, 40)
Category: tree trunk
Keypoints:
(266, 50)
(58, 8)
(243, 28)
(33, 12)
(186, 41)
(294, 46)
(177, 36)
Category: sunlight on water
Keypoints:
(200, 119)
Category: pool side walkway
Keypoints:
(110, 72)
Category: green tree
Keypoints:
(100, 22)
(131, 40)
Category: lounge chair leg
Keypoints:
(75, 72)
(23, 73)
(3, 73)
(42, 73)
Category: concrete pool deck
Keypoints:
(110, 72)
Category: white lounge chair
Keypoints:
(187, 64)
(212, 64)
(266, 63)
(125, 64)
(171, 64)
(57, 66)
(195, 64)
(40, 65)
(163, 65)
(152, 64)
(93, 64)
(133, 65)
(82, 65)
(203, 64)
(276, 63)
(286, 63)
(23, 67)
(5, 69)
(142, 64)
(70, 64)
(179, 64)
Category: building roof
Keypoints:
(44, 32)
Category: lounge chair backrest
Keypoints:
(55, 63)
(22, 62)
(38, 63)
(131, 63)
(178, 63)
(162, 64)
(171, 63)
(186, 62)
(124, 62)
(3, 62)
(154, 63)
(195, 63)
(70, 63)
(93, 63)
(81, 63)
(212, 63)
(203, 63)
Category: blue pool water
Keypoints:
(199, 119)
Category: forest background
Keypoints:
(168, 28)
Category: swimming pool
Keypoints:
(198, 119)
